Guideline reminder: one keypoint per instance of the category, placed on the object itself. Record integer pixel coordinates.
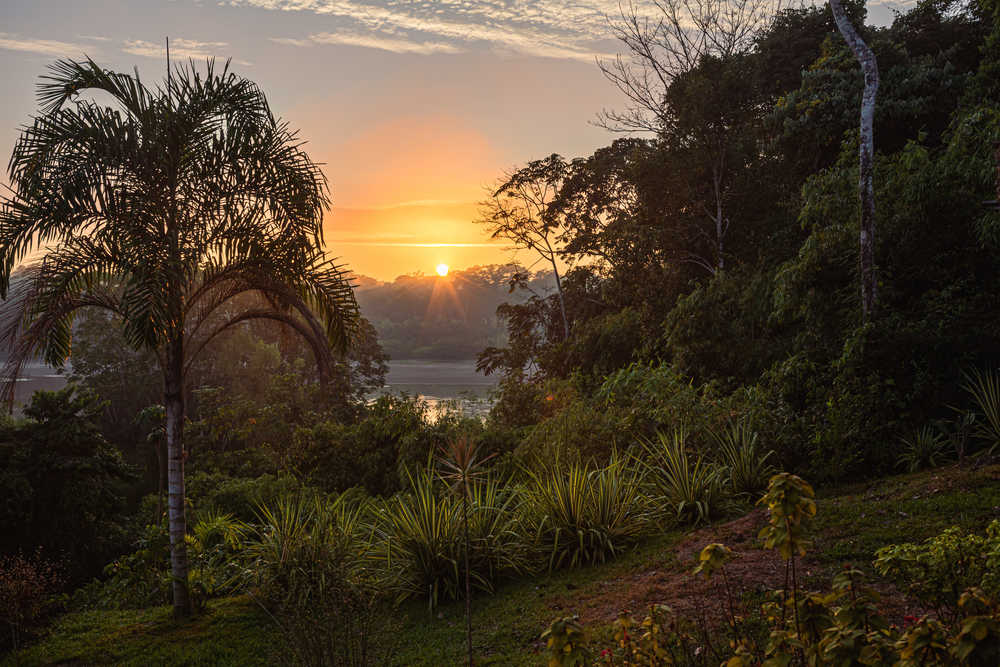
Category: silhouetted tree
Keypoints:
(518, 210)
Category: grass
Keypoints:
(852, 522)
(233, 631)
(507, 625)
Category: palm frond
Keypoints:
(178, 201)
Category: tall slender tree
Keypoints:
(866, 157)
(162, 205)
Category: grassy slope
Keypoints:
(852, 522)
(232, 631)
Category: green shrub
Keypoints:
(214, 547)
(580, 514)
(651, 398)
(573, 428)
(215, 494)
(135, 580)
(142, 578)
(940, 568)
(694, 493)
(393, 437)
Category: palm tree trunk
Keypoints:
(161, 471)
(174, 404)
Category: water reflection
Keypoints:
(445, 386)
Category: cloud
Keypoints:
(45, 47)
(566, 29)
(424, 202)
(179, 48)
(372, 41)
(94, 38)
(387, 244)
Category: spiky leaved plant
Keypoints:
(694, 489)
(984, 386)
(745, 460)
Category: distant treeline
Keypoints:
(430, 317)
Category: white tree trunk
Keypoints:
(562, 302)
(866, 57)
(174, 405)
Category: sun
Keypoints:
(442, 270)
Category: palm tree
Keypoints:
(163, 205)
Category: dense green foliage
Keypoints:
(769, 329)
(580, 515)
(940, 569)
(698, 366)
(63, 486)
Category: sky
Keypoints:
(413, 106)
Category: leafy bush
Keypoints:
(26, 589)
(142, 578)
(393, 437)
(939, 569)
(580, 515)
(924, 449)
(214, 545)
(694, 493)
(304, 569)
(133, 581)
(62, 487)
(655, 397)
(572, 428)
(214, 494)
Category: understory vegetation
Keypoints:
(699, 349)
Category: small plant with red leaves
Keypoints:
(27, 585)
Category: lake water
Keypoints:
(442, 384)
(37, 377)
